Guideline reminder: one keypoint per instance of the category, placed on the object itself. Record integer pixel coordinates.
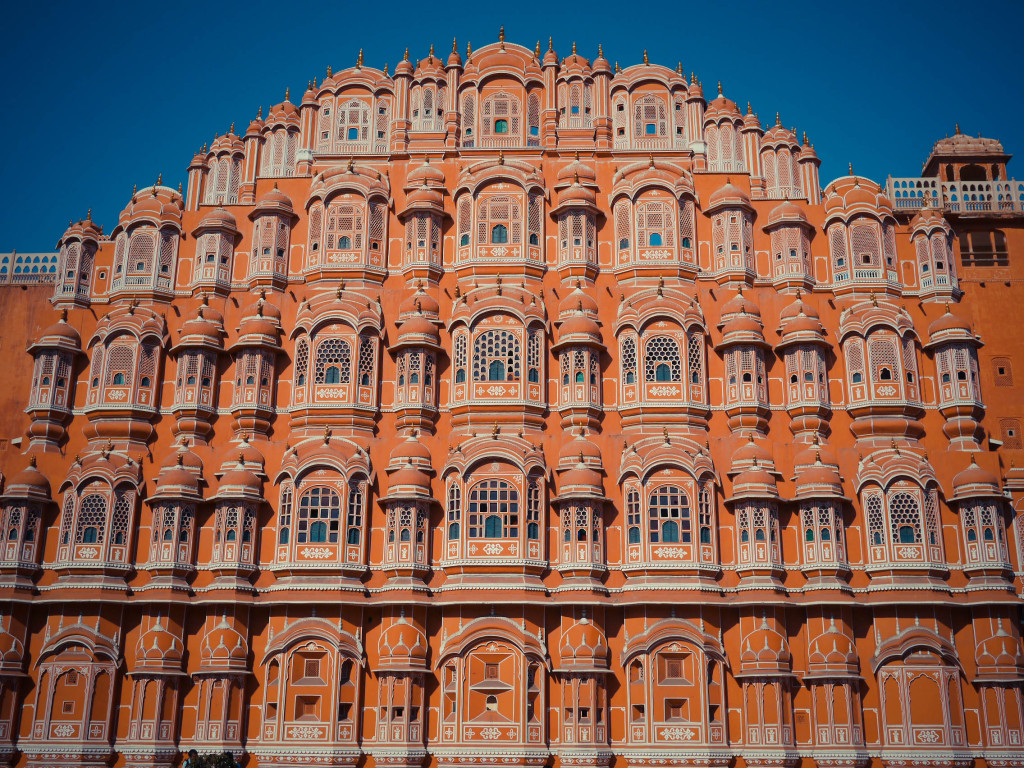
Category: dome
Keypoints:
(750, 454)
(1000, 656)
(410, 451)
(577, 196)
(408, 480)
(238, 483)
(60, 335)
(158, 205)
(223, 647)
(576, 172)
(583, 646)
(949, 324)
(962, 144)
(218, 218)
(755, 482)
(274, 201)
(786, 213)
(420, 302)
(721, 108)
(810, 455)
(727, 196)
(188, 459)
(12, 653)
(764, 651)
(177, 481)
(426, 174)
(579, 327)
(928, 219)
(402, 646)
(974, 482)
(800, 322)
(283, 112)
(832, 653)
(581, 479)
(740, 305)
(818, 480)
(570, 453)
(158, 648)
(418, 330)
(851, 195)
(577, 300)
(797, 308)
(29, 483)
(779, 134)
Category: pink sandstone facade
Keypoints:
(517, 410)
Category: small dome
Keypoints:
(579, 327)
(740, 305)
(949, 324)
(418, 329)
(722, 108)
(178, 480)
(578, 196)
(223, 647)
(1000, 656)
(426, 174)
(728, 196)
(974, 482)
(188, 459)
(928, 218)
(764, 651)
(218, 218)
(402, 646)
(583, 646)
(819, 480)
(12, 653)
(576, 172)
(832, 652)
(577, 300)
(409, 479)
(157, 647)
(756, 482)
(786, 213)
(420, 302)
(569, 454)
(750, 454)
(962, 144)
(60, 334)
(29, 483)
(273, 201)
(239, 482)
(410, 451)
(810, 455)
(283, 112)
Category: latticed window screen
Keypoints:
(910, 359)
(535, 214)
(319, 516)
(493, 510)
(655, 223)
(622, 228)
(533, 503)
(353, 121)
(837, 246)
(120, 360)
(905, 519)
(496, 356)
(1011, 434)
(669, 512)
(460, 345)
(354, 521)
(336, 353)
(882, 355)
(695, 356)
(499, 210)
(344, 227)
(121, 519)
(533, 344)
(1002, 371)
(316, 223)
(498, 107)
(91, 525)
(301, 361)
(864, 240)
(468, 119)
(629, 369)
(366, 361)
(140, 253)
(650, 117)
(661, 359)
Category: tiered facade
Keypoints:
(520, 410)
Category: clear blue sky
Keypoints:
(101, 96)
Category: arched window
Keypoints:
(319, 516)
(496, 346)
(661, 359)
(501, 126)
(669, 513)
(499, 233)
(493, 510)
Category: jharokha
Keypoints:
(517, 410)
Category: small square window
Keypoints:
(68, 708)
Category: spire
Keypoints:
(851, 169)
(536, 50)
(573, 47)
(600, 51)
(287, 93)
(617, 68)
(646, 60)
(232, 128)
(501, 36)
(405, 57)
(259, 112)
(330, 71)
(777, 120)
(679, 67)
(719, 87)
(431, 54)
(957, 129)
(469, 50)
(359, 59)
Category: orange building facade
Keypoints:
(520, 410)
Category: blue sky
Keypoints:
(102, 96)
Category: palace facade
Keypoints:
(511, 409)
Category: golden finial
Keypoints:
(385, 69)
(32, 460)
(327, 435)
(405, 56)
(719, 87)
(431, 54)
(287, 94)
(359, 59)
(469, 50)
(536, 50)
(805, 138)
(664, 432)
(159, 179)
(573, 47)
(501, 36)
(259, 112)
(495, 431)
(646, 60)
(693, 78)
(64, 315)
(330, 72)
(777, 120)
(679, 67)
(455, 45)
(851, 169)
(617, 68)
(650, 161)
(957, 129)
(232, 128)
(351, 165)
(501, 157)
(179, 187)
(88, 215)
(575, 177)
(661, 286)
(135, 187)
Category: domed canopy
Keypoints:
(402, 646)
(765, 652)
(29, 483)
(974, 482)
(239, 483)
(799, 322)
(224, 650)
(577, 300)
(217, 219)
(754, 483)
(999, 657)
(408, 481)
(583, 647)
(60, 335)
(569, 454)
(420, 303)
(177, 481)
(426, 175)
(749, 455)
(273, 201)
(728, 196)
(411, 451)
(12, 654)
(818, 481)
(832, 653)
(158, 651)
(576, 172)
(949, 327)
(786, 214)
(418, 331)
